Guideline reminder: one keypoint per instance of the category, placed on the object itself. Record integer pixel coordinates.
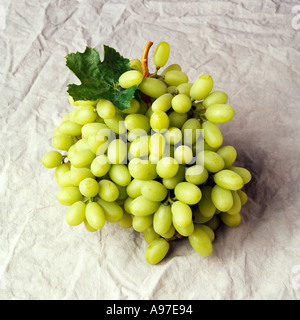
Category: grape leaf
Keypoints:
(100, 80)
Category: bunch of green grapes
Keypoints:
(159, 166)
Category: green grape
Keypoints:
(136, 64)
(161, 54)
(122, 194)
(62, 142)
(228, 179)
(243, 197)
(134, 189)
(170, 68)
(167, 167)
(120, 174)
(183, 154)
(244, 173)
(117, 151)
(170, 233)
(230, 220)
(163, 103)
(177, 119)
(206, 207)
(208, 231)
(141, 206)
(173, 135)
(126, 221)
(212, 134)
(191, 131)
(139, 147)
(208, 147)
(113, 211)
(82, 158)
(157, 144)
(142, 169)
(141, 224)
(116, 124)
(81, 145)
(198, 217)
(91, 128)
(85, 114)
(75, 215)
(162, 219)
(152, 87)
(66, 117)
(159, 121)
(134, 107)
(79, 174)
(127, 203)
(82, 102)
(237, 205)
(221, 198)
(196, 174)
(106, 109)
(130, 78)
(156, 251)
(216, 97)
(181, 214)
(170, 183)
(137, 121)
(211, 161)
(201, 87)
(95, 215)
(88, 227)
(108, 191)
(154, 190)
(200, 241)
(89, 187)
(52, 159)
(62, 175)
(150, 235)
(184, 88)
(213, 223)
(187, 193)
(229, 154)
(181, 103)
(70, 128)
(175, 78)
(184, 231)
(149, 113)
(100, 166)
(143, 107)
(219, 113)
(173, 90)
(68, 195)
(56, 131)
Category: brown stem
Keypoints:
(145, 59)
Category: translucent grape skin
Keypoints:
(153, 88)
(89, 187)
(95, 215)
(201, 87)
(154, 190)
(161, 54)
(200, 241)
(188, 193)
(162, 219)
(181, 213)
(216, 97)
(130, 78)
(68, 195)
(219, 113)
(52, 159)
(228, 179)
(75, 215)
(108, 191)
(156, 251)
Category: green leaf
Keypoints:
(100, 80)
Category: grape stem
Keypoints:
(145, 59)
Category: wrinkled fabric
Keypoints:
(251, 49)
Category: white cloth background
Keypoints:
(251, 49)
